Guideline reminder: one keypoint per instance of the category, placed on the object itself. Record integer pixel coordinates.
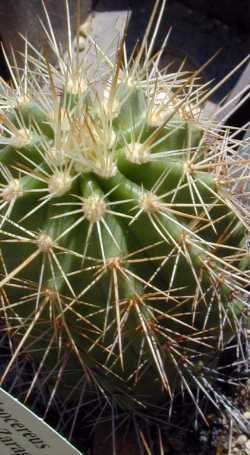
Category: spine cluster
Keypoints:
(123, 227)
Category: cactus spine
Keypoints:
(123, 234)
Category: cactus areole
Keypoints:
(122, 227)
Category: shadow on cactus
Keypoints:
(123, 226)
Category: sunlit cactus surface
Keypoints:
(123, 225)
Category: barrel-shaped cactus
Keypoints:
(123, 236)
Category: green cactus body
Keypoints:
(121, 240)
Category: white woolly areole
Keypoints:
(59, 184)
(137, 153)
(113, 263)
(131, 82)
(188, 167)
(21, 139)
(156, 117)
(149, 202)
(111, 109)
(45, 243)
(108, 170)
(23, 99)
(94, 208)
(12, 191)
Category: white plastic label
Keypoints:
(23, 433)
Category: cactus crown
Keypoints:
(123, 224)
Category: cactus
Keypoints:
(123, 234)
